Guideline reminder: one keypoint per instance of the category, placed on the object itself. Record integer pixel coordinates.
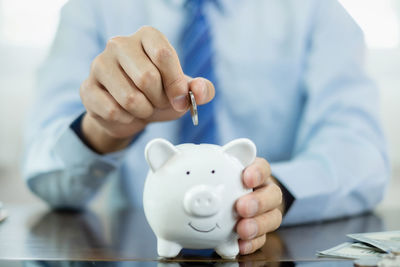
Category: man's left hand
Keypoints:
(261, 210)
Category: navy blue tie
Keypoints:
(197, 61)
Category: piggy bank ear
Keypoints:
(158, 152)
(242, 149)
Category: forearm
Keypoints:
(63, 171)
(331, 181)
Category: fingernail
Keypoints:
(258, 177)
(204, 90)
(249, 177)
(252, 207)
(180, 103)
(252, 229)
(247, 247)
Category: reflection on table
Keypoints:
(187, 264)
(124, 235)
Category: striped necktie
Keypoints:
(197, 61)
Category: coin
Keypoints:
(193, 109)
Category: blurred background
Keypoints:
(28, 27)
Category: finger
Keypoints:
(250, 246)
(259, 201)
(250, 228)
(121, 87)
(139, 68)
(165, 58)
(257, 173)
(202, 89)
(100, 103)
(165, 115)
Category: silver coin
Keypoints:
(193, 109)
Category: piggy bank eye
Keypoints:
(213, 171)
(188, 172)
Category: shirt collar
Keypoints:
(181, 3)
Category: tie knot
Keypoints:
(194, 6)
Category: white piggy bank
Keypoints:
(190, 194)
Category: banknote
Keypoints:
(387, 241)
(388, 260)
(366, 246)
(352, 251)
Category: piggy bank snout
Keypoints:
(201, 201)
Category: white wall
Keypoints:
(380, 21)
(384, 66)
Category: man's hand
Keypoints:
(261, 210)
(136, 80)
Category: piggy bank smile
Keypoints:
(203, 202)
(190, 194)
(203, 229)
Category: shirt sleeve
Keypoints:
(339, 165)
(58, 166)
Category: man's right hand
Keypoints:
(136, 80)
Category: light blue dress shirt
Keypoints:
(290, 77)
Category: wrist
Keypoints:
(99, 140)
(282, 206)
(287, 197)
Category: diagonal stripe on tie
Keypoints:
(198, 43)
(197, 61)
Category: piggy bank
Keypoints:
(190, 193)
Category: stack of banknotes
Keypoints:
(378, 247)
(3, 212)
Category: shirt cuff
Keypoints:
(303, 178)
(288, 198)
(73, 151)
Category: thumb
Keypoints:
(202, 89)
